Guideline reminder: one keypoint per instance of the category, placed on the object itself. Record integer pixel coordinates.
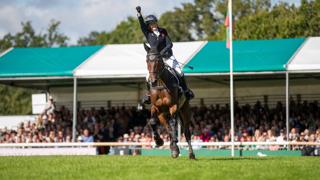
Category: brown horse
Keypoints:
(167, 103)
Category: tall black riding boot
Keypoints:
(189, 94)
(146, 98)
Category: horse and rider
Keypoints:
(168, 92)
(159, 39)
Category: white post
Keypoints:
(74, 124)
(287, 107)
(231, 76)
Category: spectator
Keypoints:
(86, 137)
(50, 106)
(252, 123)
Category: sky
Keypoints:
(79, 17)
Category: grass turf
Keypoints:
(148, 167)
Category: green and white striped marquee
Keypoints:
(128, 60)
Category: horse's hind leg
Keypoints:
(185, 119)
(187, 134)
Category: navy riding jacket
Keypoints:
(161, 42)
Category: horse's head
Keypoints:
(155, 64)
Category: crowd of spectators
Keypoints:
(209, 124)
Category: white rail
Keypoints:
(96, 144)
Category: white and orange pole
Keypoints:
(231, 75)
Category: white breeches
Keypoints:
(173, 63)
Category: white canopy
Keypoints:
(307, 58)
(128, 60)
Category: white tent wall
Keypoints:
(12, 122)
(128, 60)
(307, 57)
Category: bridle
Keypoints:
(154, 57)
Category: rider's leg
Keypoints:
(175, 65)
(189, 94)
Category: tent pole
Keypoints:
(231, 77)
(287, 107)
(74, 124)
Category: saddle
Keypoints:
(178, 78)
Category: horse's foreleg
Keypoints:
(154, 125)
(173, 134)
(173, 130)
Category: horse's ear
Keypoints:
(146, 47)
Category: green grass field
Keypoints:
(149, 167)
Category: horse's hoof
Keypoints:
(192, 156)
(174, 151)
(159, 142)
(175, 154)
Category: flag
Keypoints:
(227, 25)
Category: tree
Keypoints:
(126, 32)
(180, 23)
(94, 38)
(27, 37)
(310, 17)
(53, 37)
(14, 100)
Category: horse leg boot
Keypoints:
(189, 94)
(146, 98)
(156, 136)
(188, 139)
(174, 138)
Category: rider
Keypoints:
(158, 38)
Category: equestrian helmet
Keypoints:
(151, 19)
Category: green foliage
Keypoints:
(152, 167)
(27, 37)
(204, 20)
(125, 33)
(180, 22)
(14, 100)
(260, 20)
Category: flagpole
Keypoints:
(231, 77)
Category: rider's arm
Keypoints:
(169, 45)
(144, 27)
